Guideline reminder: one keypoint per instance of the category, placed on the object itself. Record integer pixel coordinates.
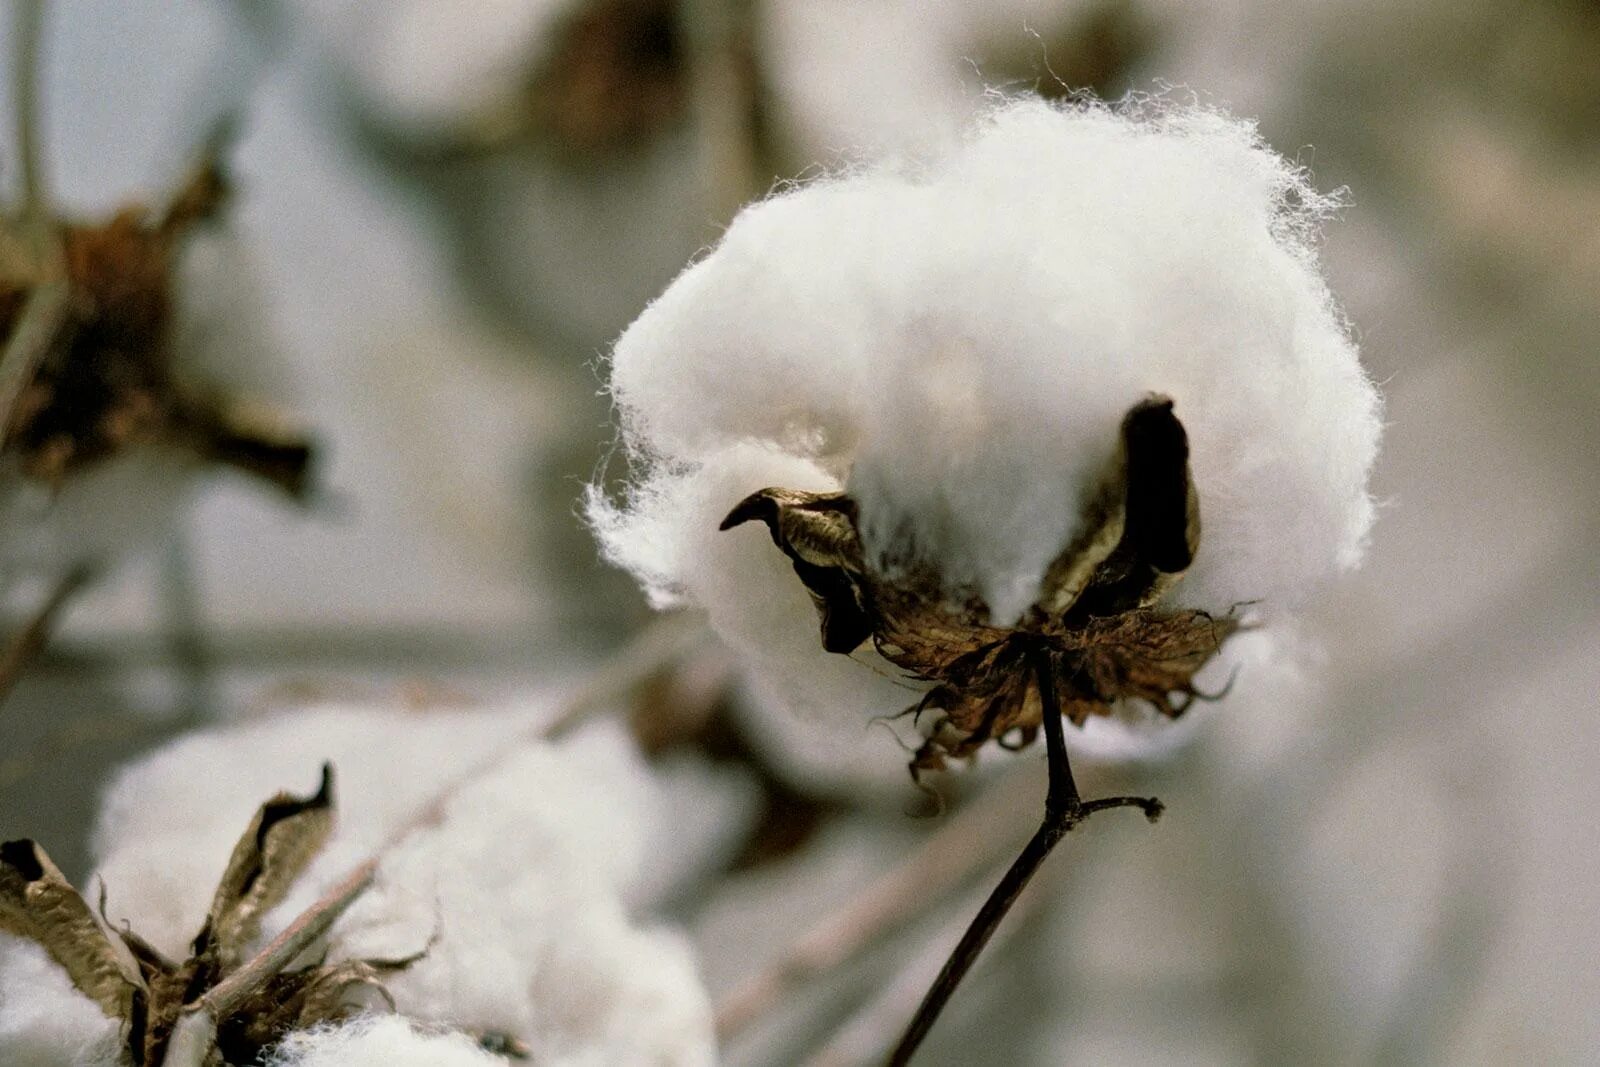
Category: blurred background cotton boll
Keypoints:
(1375, 851)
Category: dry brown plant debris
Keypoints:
(1096, 613)
(94, 373)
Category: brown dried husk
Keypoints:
(105, 381)
(133, 981)
(1098, 610)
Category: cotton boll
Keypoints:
(44, 1020)
(955, 344)
(164, 80)
(669, 535)
(514, 896)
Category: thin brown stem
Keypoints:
(1063, 809)
(970, 842)
(26, 644)
(868, 1035)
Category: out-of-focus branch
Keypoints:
(28, 29)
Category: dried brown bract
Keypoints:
(1097, 612)
(131, 980)
(98, 373)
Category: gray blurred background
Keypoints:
(445, 212)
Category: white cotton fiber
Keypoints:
(381, 1041)
(956, 344)
(861, 78)
(44, 1020)
(517, 894)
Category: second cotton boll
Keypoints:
(513, 902)
(955, 346)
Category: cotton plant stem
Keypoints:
(1063, 809)
(969, 842)
(665, 641)
(25, 646)
(868, 1035)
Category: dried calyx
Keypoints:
(101, 376)
(132, 981)
(1097, 611)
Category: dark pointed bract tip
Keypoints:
(758, 505)
(23, 856)
(324, 794)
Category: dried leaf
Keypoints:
(36, 902)
(1096, 607)
(282, 839)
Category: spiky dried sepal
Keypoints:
(282, 839)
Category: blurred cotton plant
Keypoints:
(564, 141)
(477, 885)
(982, 409)
(129, 363)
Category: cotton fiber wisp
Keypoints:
(972, 352)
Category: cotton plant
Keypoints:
(134, 356)
(1058, 423)
(482, 879)
(557, 138)
(586, 74)
(110, 412)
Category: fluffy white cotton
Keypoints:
(518, 894)
(860, 78)
(44, 1020)
(955, 345)
(382, 1041)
